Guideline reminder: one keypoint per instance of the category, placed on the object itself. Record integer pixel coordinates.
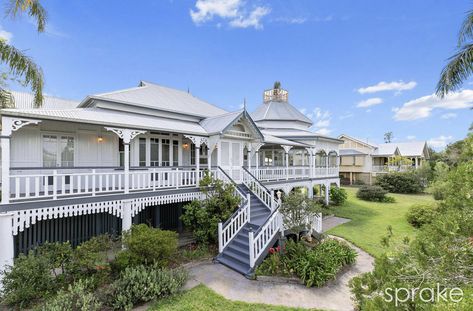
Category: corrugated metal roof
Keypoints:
(414, 148)
(298, 134)
(155, 96)
(281, 141)
(347, 152)
(112, 118)
(386, 150)
(219, 123)
(280, 111)
(24, 100)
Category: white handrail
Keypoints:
(293, 172)
(264, 236)
(230, 230)
(56, 185)
(255, 186)
(227, 231)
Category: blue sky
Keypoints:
(357, 67)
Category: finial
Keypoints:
(188, 90)
(244, 103)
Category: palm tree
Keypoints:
(460, 65)
(19, 63)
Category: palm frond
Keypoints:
(466, 29)
(21, 65)
(32, 7)
(6, 99)
(459, 68)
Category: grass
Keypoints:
(202, 298)
(371, 219)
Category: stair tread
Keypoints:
(241, 268)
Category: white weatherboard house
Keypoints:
(74, 170)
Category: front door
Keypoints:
(231, 158)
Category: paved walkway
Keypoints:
(333, 221)
(232, 285)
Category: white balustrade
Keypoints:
(271, 173)
(260, 241)
(258, 189)
(81, 182)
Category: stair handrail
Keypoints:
(266, 196)
(230, 228)
(229, 179)
(259, 241)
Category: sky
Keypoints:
(361, 68)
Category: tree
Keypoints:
(298, 211)
(388, 137)
(460, 65)
(277, 85)
(17, 62)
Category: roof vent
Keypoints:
(276, 94)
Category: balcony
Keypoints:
(276, 173)
(47, 184)
(391, 168)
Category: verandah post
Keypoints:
(220, 240)
(6, 242)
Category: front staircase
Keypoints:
(236, 255)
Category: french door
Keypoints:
(231, 158)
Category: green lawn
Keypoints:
(370, 220)
(201, 298)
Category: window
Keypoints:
(175, 153)
(142, 152)
(154, 145)
(202, 154)
(58, 151)
(165, 149)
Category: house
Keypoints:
(74, 170)
(362, 161)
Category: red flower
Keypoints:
(278, 249)
(271, 250)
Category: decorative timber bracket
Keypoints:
(198, 140)
(126, 134)
(10, 125)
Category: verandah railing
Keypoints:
(230, 228)
(54, 184)
(270, 173)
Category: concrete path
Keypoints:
(333, 221)
(232, 285)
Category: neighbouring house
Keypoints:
(361, 161)
(72, 170)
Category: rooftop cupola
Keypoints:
(277, 112)
(276, 94)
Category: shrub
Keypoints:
(298, 211)
(338, 196)
(323, 262)
(373, 193)
(29, 280)
(314, 266)
(421, 214)
(400, 182)
(146, 246)
(145, 283)
(78, 297)
(203, 216)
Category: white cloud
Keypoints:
(439, 142)
(346, 116)
(323, 123)
(232, 10)
(370, 102)
(321, 120)
(449, 115)
(251, 20)
(323, 131)
(291, 20)
(388, 86)
(5, 35)
(411, 137)
(422, 107)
